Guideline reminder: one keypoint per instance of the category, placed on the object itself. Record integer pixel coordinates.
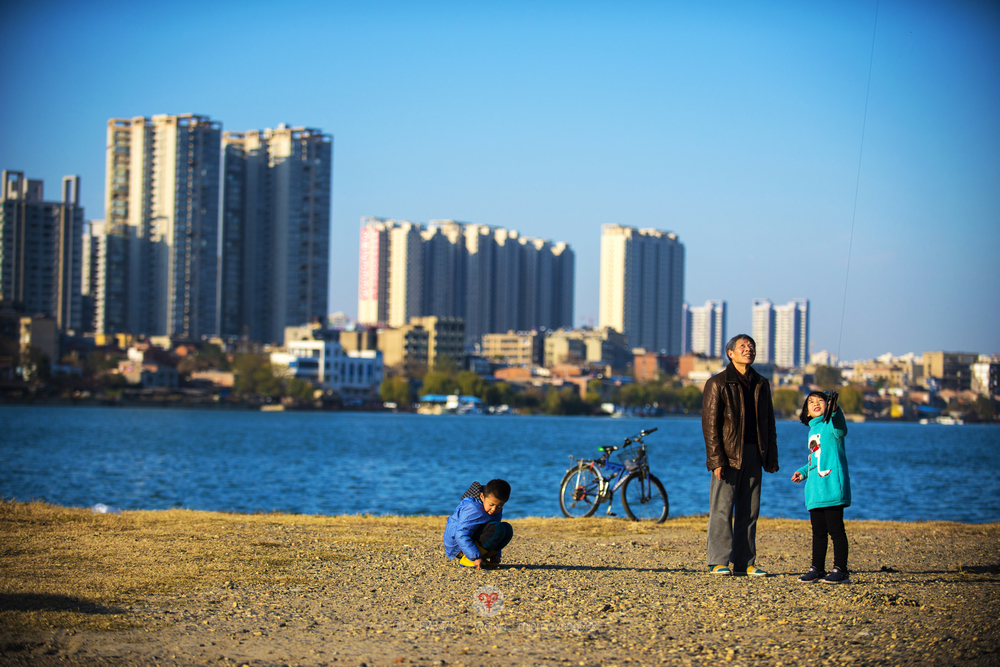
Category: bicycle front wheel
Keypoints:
(579, 493)
(644, 498)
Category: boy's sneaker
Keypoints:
(812, 576)
(720, 569)
(754, 571)
(837, 576)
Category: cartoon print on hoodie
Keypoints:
(814, 446)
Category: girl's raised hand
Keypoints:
(797, 477)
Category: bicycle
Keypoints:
(584, 487)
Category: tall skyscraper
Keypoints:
(162, 224)
(493, 278)
(782, 332)
(41, 248)
(91, 278)
(642, 286)
(708, 329)
(762, 329)
(276, 230)
(686, 328)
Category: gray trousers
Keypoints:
(734, 505)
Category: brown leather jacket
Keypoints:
(722, 421)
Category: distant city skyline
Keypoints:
(737, 127)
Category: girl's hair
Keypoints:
(804, 415)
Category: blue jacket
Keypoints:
(828, 482)
(468, 516)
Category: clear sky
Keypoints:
(737, 125)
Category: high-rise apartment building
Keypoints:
(40, 248)
(762, 330)
(642, 286)
(162, 226)
(781, 332)
(275, 230)
(708, 329)
(493, 278)
(91, 278)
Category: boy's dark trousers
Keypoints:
(829, 521)
(492, 537)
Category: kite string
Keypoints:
(857, 183)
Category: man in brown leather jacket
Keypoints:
(737, 418)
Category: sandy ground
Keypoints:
(378, 591)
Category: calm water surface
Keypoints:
(337, 463)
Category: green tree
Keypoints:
(852, 400)
(300, 389)
(436, 382)
(266, 383)
(633, 395)
(691, 398)
(210, 356)
(396, 390)
(565, 401)
(787, 402)
(827, 377)
(445, 364)
(984, 408)
(254, 375)
(593, 396)
(470, 384)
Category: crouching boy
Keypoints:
(476, 531)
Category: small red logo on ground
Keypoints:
(488, 600)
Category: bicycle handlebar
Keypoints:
(639, 436)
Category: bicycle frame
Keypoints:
(590, 482)
(619, 474)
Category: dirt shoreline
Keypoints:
(184, 588)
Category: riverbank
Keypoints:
(182, 587)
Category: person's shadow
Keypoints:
(47, 602)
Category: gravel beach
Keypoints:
(183, 588)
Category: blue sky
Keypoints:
(737, 125)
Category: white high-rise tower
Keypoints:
(642, 286)
(276, 230)
(782, 332)
(708, 329)
(162, 223)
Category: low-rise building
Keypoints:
(424, 340)
(697, 369)
(950, 370)
(405, 346)
(41, 332)
(148, 375)
(520, 348)
(216, 378)
(597, 347)
(326, 364)
(561, 348)
(650, 366)
(986, 375)
(361, 338)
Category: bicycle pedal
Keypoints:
(610, 513)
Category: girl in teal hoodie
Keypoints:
(828, 485)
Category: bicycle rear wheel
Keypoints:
(645, 499)
(579, 493)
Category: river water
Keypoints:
(355, 462)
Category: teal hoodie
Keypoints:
(828, 482)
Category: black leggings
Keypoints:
(829, 521)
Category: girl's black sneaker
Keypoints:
(837, 576)
(812, 576)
